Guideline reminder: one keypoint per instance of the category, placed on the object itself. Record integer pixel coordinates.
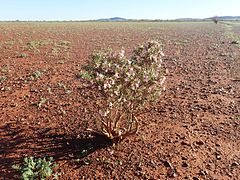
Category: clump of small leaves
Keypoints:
(10, 43)
(35, 44)
(36, 168)
(84, 75)
(40, 102)
(3, 78)
(62, 85)
(35, 75)
(64, 44)
(61, 62)
(55, 51)
(22, 55)
(126, 85)
(5, 69)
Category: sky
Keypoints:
(131, 9)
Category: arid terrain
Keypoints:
(45, 108)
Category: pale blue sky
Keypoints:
(133, 9)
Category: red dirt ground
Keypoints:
(193, 133)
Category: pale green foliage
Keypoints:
(34, 76)
(22, 55)
(36, 168)
(37, 74)
(3, 78)
(84, 75)
(127, 84)
(35, 44)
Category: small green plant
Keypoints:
(36, 168)
(61, 62)
(49, 90)
(64, 44)
(40, 102)
(55, 51)
(84, 75)
(10, 43)
(3, 78)
(37, 74)
(62, 85)
(22, 55)
(5, 69)
(35, 44)
(126, 86)
(34, 76)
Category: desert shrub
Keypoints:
(126, 85)
(215, 20)
(32, 169)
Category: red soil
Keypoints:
(193, 133)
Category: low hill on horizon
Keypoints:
(220, 18)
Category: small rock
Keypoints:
(203, 172)
(195, 178)
(229, 174)
(234, 165)
(199, 143)
(185, 164)
(172, 173)
(33, 90)
(218, 156)
(223, 54)
(185, 143)
(235, 42)
(167, 163)
(138, 168)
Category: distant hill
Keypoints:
(225, 18)
(188, 19)
(113, 19)
(220, 18)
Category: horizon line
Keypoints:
(122, 19)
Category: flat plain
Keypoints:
(45, 108)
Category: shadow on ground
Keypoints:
(15, 145)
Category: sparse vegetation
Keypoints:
(63, 44)
(36, 44)
(40, 102)
(231, 35)
(36, 168)
(66, 89)
(199, 109)
(10, 43)
(55, 51)
(34, 76)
